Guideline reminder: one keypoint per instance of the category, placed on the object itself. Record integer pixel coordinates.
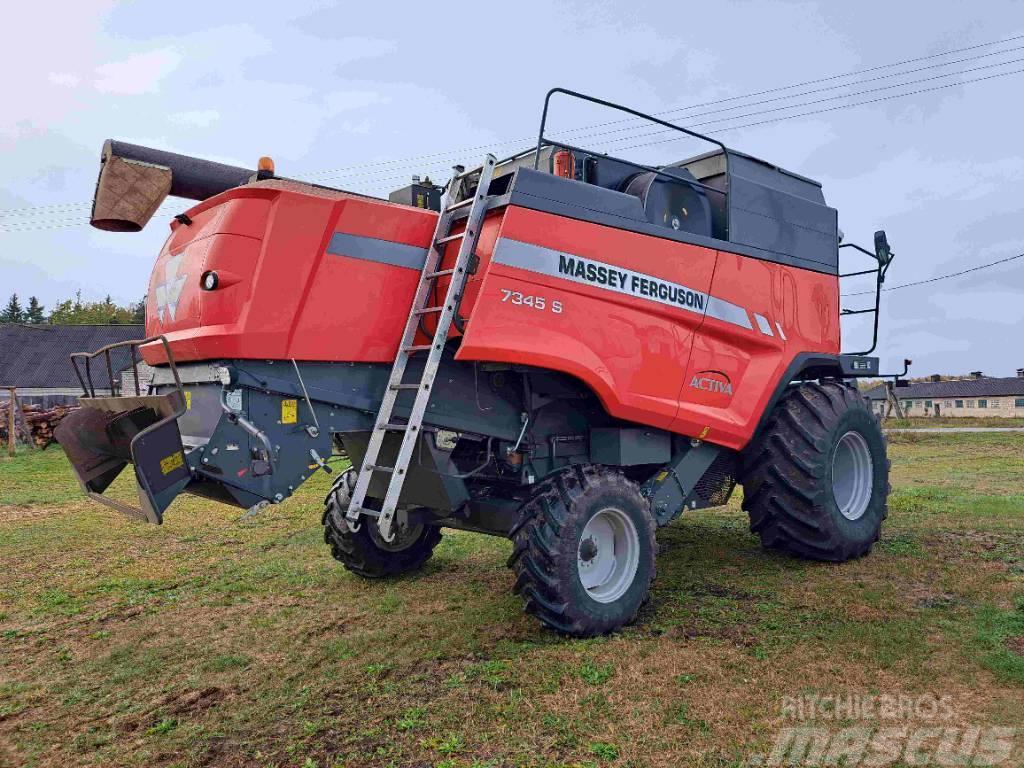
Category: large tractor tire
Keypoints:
(583, 551)
(816, 480)
(364, 552)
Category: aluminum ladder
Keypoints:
(407, 348)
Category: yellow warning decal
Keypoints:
(188, 401)
(289, 411)
(704, 432)
(170, 463)
(661, 476)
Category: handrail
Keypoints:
(643, 116)
(879, 271)
(89, 388)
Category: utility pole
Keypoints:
(10, 421)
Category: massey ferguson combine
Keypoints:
(570, 350)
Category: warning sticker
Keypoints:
(170, 463)
(289, 411)
(188, 401)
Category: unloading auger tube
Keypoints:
(566, 348)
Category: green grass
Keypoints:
(212, 640)
(933, 422)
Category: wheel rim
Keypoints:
(608, 555)
(405, 535)
(852, 475)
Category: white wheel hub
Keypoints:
(608, 555)
(852, 475)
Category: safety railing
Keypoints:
(543, 141)
(882, 266)
(85, 377)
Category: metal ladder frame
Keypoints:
(406, 348)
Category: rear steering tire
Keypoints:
(583, 552)
(816, 481)
(365, 553)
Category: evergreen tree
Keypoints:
(139, 312)
(34, 313)
(12, 312)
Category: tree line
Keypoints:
(73, 312)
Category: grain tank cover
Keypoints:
(769, 208)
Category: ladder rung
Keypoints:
(461, 204)
(450, 238)
(476, 208)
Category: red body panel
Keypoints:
(705, 368)
(631, 352)
(285, 297)
(639, 356)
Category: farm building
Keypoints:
(978, 395)
(36, 360)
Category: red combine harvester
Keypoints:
(570, 350)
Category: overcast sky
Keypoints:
(323, 86)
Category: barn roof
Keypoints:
(986, 386)
(39, 355)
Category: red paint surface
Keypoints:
(286, 297)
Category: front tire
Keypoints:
(584, 552)
(816, 481)
(364, 552)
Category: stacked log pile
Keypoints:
(34, 421)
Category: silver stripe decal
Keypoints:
(782, 333)
(597, 274)
(727, 312)
(762, 323)
(375, 249)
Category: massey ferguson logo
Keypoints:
(712, 381)
(169, 291)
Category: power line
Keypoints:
(941, 277)
(35, 224)
(836, 108)
(373, 174)
(374, 177)
(703, 104)
(40, 224)
(407, 162)
(830, 98)
(835, 87)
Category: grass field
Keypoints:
(214, 641)
(936, 422)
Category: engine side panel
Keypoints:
(570, 296)
(733, 371)
(704, 370)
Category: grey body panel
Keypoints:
(431, 480)
(375, 249)
(629, 447)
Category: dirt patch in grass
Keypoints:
(20, 513)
